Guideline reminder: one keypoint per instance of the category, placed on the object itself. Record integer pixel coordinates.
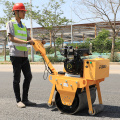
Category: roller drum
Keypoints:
(79, 103)
(83, 103)
(97, 109)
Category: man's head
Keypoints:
(19, 10)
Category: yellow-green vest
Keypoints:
(20, 33)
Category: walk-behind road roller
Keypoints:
(76, 85)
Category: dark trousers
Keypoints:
(21, 63)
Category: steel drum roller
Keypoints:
(79, 103)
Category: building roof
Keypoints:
(80, 31)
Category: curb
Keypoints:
(114, 63)
(57, 63)
(41, 63)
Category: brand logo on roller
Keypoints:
(102, 66)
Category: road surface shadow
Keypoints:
(43, 105)
(109, 111)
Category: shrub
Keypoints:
(51, 50)
(55, 59)
(115, 58)
(81, 45)
(59, 41)
(101, 43)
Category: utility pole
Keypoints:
(32, 50)
(71, 24)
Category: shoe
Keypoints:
(53, 102)
(21, 105)
(29, 103)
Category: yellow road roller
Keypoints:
(76, 85)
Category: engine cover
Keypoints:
(74, 66)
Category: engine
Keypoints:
(73, 63)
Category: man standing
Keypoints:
(18, 38)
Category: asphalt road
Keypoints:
(40, 91)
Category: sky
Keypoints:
(66, 8)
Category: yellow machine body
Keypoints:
(94, 71)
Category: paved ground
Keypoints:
(40, 91)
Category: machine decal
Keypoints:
(102, 66)
(65, 84)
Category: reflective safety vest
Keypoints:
(20, 33)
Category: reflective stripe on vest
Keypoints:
(20, 33)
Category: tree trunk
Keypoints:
(62, 44)
(113, 46)
(50, 38)
(62, 38)
(95, 31)
(54, 45)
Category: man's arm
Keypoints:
(16, 40)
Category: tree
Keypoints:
(50, 18)
(3, 20)
(7, 11)
(59, 41)
(105, 10)
(8, 14)
(102, 44)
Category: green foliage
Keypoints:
(101, 43)
(30, 12)
(55, 59)
(8, 14)
(7, 52)
(7, 11)
(117, 45)
(43, 35)
(115, 58)
(51, 50)
(2, 53)
(86, 44)
(59, 41)
(50, 16)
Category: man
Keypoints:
(17, 40)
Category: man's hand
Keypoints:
(43, 42)
(31, 42)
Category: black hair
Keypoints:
(13, 13)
